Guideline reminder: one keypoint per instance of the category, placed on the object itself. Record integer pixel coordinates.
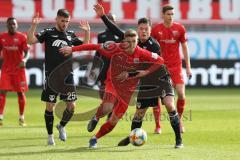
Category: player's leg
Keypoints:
(50, 98)
(136, 123)
(21, 104)
(174, 119)
(180, 89)
(105, 108)
(66, 117)
(2, 105)
(49, 120)
(118, 111)
(157, 114)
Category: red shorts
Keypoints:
(13, 82)
(120, 106)
(120, 109)
(176, 75)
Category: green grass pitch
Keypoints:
(211, 120)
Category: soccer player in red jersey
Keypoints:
(169, 35)
(14, 51)
(119, 87)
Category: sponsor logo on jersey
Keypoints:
(11, 48)
(135, 60)
(69, 38)
(59, 43)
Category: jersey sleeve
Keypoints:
(147, 56)
(156, 48)
(113, 27)
(41, 36)
(75, 40)
(183, 36)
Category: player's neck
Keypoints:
(11, 33)
(58, 29)
(168, 25)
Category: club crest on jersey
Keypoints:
(135, 60)
(175, 33)
(69, 38)
(15, 40)
(51, 97)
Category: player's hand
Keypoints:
(36, 19)
(99, 9)
(122, 76)
(66, 50)
(84, 25)
(189, 73)
(22, 64)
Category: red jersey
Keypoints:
(169, 39)
(12, 50)
(122, 61)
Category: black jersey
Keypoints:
(150, 45)
(104, 64)
(54, 40)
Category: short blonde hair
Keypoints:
(130, 33)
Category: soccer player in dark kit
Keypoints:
(55, 38)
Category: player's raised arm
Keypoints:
(85, 26)
(109, 24)
(31, 38)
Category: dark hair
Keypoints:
(130, 33)
(10, 19)
(63, 13)
(144, 21)
(167, 7)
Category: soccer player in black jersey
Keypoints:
(161, 77)
(55, 38)
(100, 63)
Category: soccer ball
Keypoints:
(138, 137)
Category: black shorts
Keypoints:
(66, 90)
(164, 88)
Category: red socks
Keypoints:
(180, 106)
(157, 113)
(105, 129)
(2, 103)
(21, 103)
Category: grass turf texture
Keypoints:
(211, 121)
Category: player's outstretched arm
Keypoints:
(31, 38)
(85, 26)
(109, 24)
(84, 47)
